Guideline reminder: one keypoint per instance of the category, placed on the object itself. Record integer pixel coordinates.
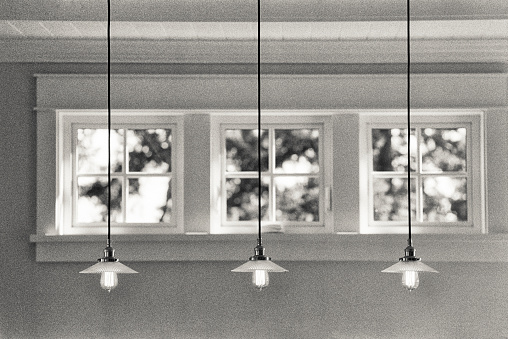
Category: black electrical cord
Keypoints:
(259, 125)
(409, 121)
(109, 122)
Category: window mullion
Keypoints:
(469, 170)
(370, 173)
(172, 182)
(74, 179)
(271, 167)
(125, 180)
(418, 178)
(323, 186)
(222, 156)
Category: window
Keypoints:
(445, 170)
(172, 99)
(295, 180)
(144, 172)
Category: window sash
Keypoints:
(67, 188)
(270, 174)
(471, 121)
(271, 122)
(122, 176)
(419, 174)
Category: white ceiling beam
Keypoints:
(363, 30)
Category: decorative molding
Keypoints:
(282, 247)
(244, 51)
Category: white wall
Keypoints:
(340, 299)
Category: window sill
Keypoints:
(281, 247)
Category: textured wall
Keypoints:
(203, 299)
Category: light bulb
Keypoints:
(109, 280)
(260, 279)
(410, 280)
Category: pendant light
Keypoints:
(259, 264)
(108, 266)
(409, 265)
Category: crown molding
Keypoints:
(244, 51)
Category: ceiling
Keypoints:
(245, 10)
(223, 31)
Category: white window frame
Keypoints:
(68, 121)
(270, 120)
(473, 122)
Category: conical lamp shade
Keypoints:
(115, 267)
(411, 265)
(253, 265)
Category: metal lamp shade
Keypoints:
(411, 265)
(254, 265)
(115, 267)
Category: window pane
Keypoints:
(92, 204)
(92, 150)
(445, 199)
(242, 199)
(296, 151)
(443, 149)
(149, 200)
(390, 199)
(297, 199)
(389, 149)
(149, 150)
(242, 150)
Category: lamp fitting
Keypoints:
(109, 255)
(259, 253)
